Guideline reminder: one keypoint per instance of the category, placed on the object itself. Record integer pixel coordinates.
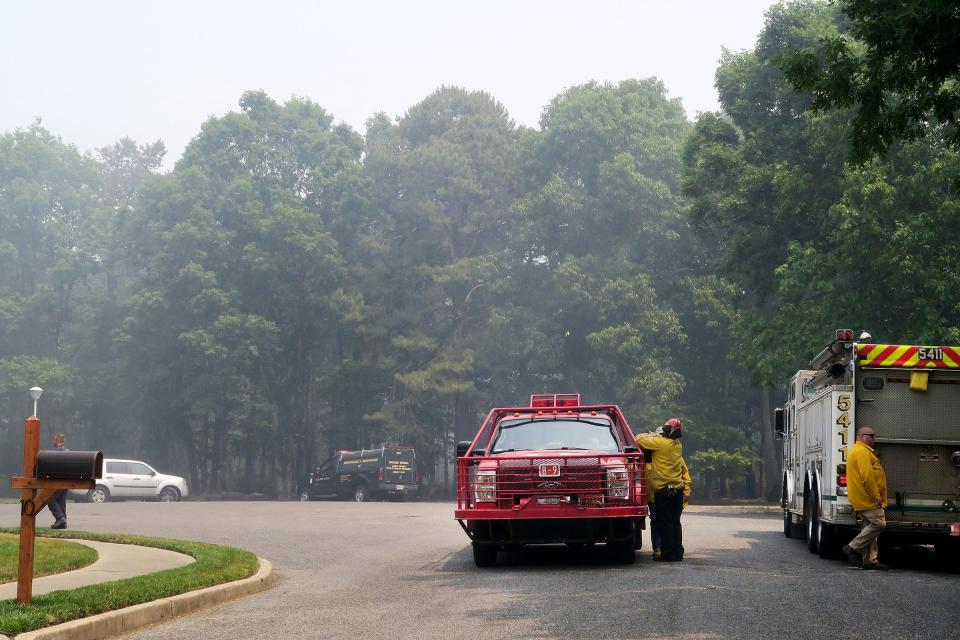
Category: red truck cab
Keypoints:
(556, 471)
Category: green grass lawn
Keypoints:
(214, 565)
(50, 556)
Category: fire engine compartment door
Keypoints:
(917, 431)
(898, 413)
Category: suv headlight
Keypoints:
(485, 484)
(618, 483)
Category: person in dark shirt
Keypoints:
(58, 505)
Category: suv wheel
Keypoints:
(304, 495)
(360, 493)
(169, 494)
(99, 494)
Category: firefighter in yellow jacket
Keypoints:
(867, 490)
(651, 500)
(668, 479)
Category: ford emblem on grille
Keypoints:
(550, 485)
(549, 471)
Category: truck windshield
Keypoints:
(560, 433)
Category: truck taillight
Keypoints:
(486, 486)
(380, 475)
(842, 479)
(618, 483)
(416, 476)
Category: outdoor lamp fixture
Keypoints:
(35, 393)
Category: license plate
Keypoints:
(399, 487)
(549, 500)
(549, 471)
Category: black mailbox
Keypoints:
(69, 465)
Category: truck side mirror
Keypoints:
(629, 449)
(462, 447)
(69, 465)
(778, 422)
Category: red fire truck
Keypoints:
(556, 471)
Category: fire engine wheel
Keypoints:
(812, 513)
(827, 541)
(360, 493)
(787, 523)
(638, 539)
(484, 555)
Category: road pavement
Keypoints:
(405, 570)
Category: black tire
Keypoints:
(948, 553)
(788, 526)
(303, 495)
(484, 555)
(622, 551)
(812, 513)
(361, 493)
(169, 494)
(99, 494)
(827, 541)
(638, 539)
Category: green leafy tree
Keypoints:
(601, 230)
(48, 258)
(445, 177)
(721, 469)
(896, 64)
(242, 273)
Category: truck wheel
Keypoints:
(812, 513)
(304, 495)
(787, 523)
(948, 553)
(827, 541)
(638, 539)
(622, 551)
(360, 493)
(484, 555)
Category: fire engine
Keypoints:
(910, 396)
(556, 471)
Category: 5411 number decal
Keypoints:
(843, 405)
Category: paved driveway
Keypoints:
(404, 570)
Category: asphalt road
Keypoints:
(405, 570)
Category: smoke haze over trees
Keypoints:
(293, 286)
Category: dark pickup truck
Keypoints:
(387, 472)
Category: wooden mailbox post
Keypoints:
(34, 495)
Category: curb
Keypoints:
(124, 620)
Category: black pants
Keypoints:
(669, 507)
(58, 506)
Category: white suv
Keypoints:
(134, 479)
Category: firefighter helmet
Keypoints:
(671, 429)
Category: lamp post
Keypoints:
(35, 393)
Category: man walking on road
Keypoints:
(670, 486)
(58, 505)
(867, 490)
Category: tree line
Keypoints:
(293, 287)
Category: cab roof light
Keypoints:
(554, 400)
(845, 335)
